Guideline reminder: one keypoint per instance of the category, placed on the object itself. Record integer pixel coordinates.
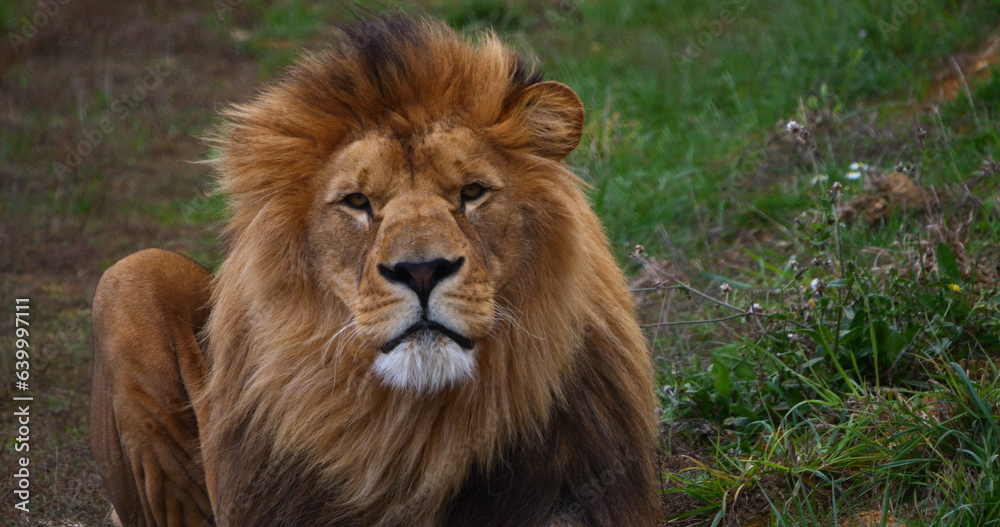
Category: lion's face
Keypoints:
(416, 238)
(400, 192)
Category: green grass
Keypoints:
(275, 33)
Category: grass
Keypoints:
(863, 387)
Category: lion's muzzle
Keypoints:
(427, 351)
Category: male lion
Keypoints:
(418, 321)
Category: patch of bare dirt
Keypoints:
(886, 195)
(965, 70)
(101, 109)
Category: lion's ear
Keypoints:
(551, 115)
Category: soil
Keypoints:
(61, 227)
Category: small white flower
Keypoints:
(793, 127)
(817, 285)
(725, 288)
(756, 308)
(856, 170)
(818, 179)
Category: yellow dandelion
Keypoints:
(955, 288)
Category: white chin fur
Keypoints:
(426, 362)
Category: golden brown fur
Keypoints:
(554, 426)
(147, 365)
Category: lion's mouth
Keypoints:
(429, 325)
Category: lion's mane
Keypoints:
(559, 419)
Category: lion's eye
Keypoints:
(472, 192)
(357, 201)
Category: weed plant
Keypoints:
(864, 381)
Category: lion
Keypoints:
(418, 320)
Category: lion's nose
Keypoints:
(421, 277)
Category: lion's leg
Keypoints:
(147, 367)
